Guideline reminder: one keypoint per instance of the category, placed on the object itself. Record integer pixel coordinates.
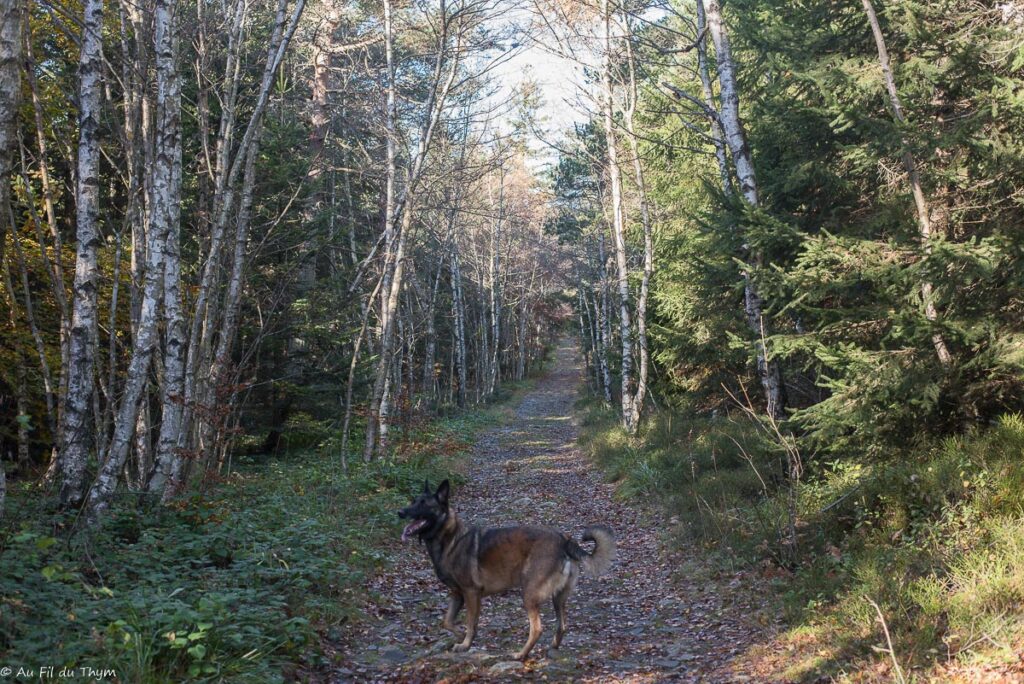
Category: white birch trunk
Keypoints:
(494, 279)
(380, 399)
(353, 362)
(441, 84)
(77, 431)
(604, 320)
(169, 459)
(736, 138)
(648, 268)
(459, 315)
(163, 200)
(10, 90)
(143, 450)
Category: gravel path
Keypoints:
(643, 622)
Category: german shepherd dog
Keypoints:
(474, 563)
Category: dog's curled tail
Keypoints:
(594, 563)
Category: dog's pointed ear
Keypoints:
(442, 492)
(426, 486)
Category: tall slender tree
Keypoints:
(736, 137)
(77, 427)
(924, 216)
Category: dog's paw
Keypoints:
(460, 648)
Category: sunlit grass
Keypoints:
(934, 535)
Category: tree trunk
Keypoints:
(604, 319)
(648, 269)
(521, 342)
(618, 227)
(143, 447)
(163, 200)
(493, 369)
(402, 205)
(430, 386)
(353, 362)
(380, 399)
(459, 315)
(736, 138)
(380, 389)
(170, 442)
(77, 430)
(717, 136)
(33, 326)
(924, 220)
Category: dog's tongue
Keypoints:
(411, 528)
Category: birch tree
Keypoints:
(77, 427)
(10, 91)
(736, 139)
(164, 199)
(632, 99)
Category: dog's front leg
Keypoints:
(455, 603)
(472, 599)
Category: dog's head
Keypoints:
(428, 512)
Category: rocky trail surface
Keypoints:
(645, 621)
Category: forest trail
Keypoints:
(642, 622)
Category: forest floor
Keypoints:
(652, 618)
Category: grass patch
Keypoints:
(934, 535)
(706, 471)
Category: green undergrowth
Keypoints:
(933, 534)
(237, 584)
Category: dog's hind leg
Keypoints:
(533, 612)
(472, 615)
(455, 603)
(561, 599)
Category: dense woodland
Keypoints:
(787, 237)
(272, 214)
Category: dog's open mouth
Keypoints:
(412, 528)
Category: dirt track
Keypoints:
(642, 622)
